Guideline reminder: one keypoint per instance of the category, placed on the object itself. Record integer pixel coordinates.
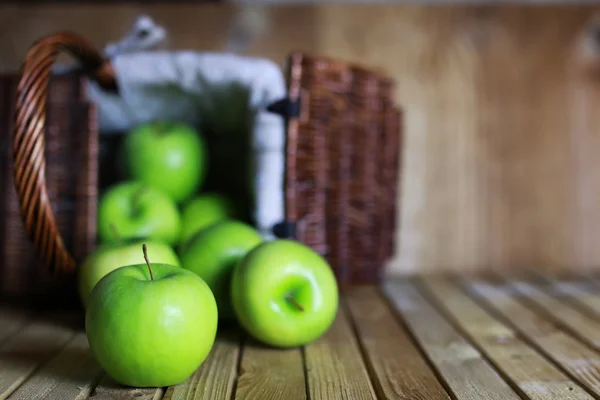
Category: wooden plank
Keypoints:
(467, 373)
(335, 368)
(108, 389)
(80, 384)
(11, 321)
(397, 368)
(529, 371)
(271, 374)
(215, 378)
(72, 374)
(582, 363)
(577, 322)
(583, 292)
(23, 353)
(586, 294)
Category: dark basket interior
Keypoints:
(343, 149)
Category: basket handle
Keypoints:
(29, 142)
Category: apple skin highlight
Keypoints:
(110, 256)
(170, 156)
(263, 282)
(136, 210)
(214, 252)
(151, 333)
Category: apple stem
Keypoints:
(294, 302)
(115, 232)
(147, 261)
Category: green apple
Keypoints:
(151, 325)
(204, 210)
(284, 293)
(136, 211)
(108, 256)
(212, 254)
(168, 155)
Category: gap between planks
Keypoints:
(329, 368)
(583, 293)
(367, 351)
(581, 299)
(268, 373)
(396, 364)
(216, 377)
(559, 306)
(530, 373)
(463, 369)
(71, 374)
(574, 357)
(332, 367)
(30, 348)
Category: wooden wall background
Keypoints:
(502, 114)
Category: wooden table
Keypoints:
(421, 339)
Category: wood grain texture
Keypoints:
(500, 124)
(531, 373)
(334, 365)
(25, 352)
(72, 374)
(582, 291)
(201, 27)
(466, 372)
(562, 312)
(397, 367)
(215, 378)
(108, 389)
(501, 121)
(271, 374)
(581, 362)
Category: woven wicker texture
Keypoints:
(342, 155)
(29, 140)
(340, 189)
(70, 150)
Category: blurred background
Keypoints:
(501, 104)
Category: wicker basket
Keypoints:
(342, 154)
(341, 173)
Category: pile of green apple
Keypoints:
(173, 262)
